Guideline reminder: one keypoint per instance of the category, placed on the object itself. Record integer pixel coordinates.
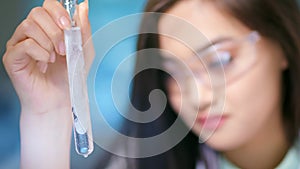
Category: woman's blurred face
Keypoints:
(252, 108)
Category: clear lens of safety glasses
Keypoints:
(227, 57)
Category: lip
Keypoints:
(212, 122)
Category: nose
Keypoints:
(200, 95)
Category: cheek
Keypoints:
(253, 103)
(256, 96)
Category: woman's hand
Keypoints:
(35, 57)
(36, 63)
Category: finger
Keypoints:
(59, 15)
(43, 66)
(84, 23)
(19, 56)
(41, 17)
(29, 29)
(34, 50)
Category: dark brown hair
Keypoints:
(276, 20)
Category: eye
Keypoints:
(223, 58)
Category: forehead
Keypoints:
(195, 23)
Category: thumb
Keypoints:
(84, 24)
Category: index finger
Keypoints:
(58, 13)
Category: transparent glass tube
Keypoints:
(78, 92)
(77, 85)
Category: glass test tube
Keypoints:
(77, 85)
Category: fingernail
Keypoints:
(64, 21)
(45, 66)
(42, 66)
(62, 48)
(52, 57)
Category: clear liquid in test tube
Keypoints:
(77, 85)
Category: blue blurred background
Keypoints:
(101, 13)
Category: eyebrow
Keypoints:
(212, 43)
(202, 48)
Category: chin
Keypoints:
(224, 143)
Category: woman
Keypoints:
(260, 123)
(264, 96)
